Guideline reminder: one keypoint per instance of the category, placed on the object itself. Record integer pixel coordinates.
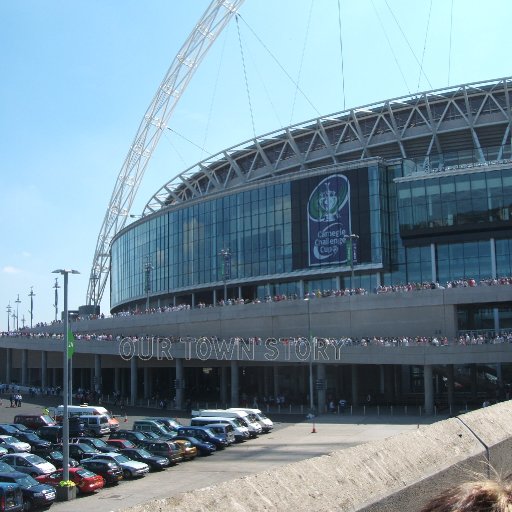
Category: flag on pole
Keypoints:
(71, 344)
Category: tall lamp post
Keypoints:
(18, 302)
(226, 269)
(31, 295)
(56, 300)
(350, 255)
(311, 356)
(65, 379)
(9, 309)
(148, 268)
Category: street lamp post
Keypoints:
(56, 301)
(350, 250)
(226, 259)
(311, 356)
(65, 379)
(147, 269)
(18, 302)
(31, 295)
(9, 309)
(23, 322)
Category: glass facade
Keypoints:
(443, 227)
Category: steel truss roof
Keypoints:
(470, 116)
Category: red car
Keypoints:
(120, 444)
(86, 481)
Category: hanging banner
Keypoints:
(329, 222)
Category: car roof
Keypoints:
(14, 474)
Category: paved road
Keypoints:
(293, 439)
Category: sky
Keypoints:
(77, 77)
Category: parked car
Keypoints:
(13, 445)
(29, 463)
(3, 451)
(81, 451)
(169, 423)
(111, 471)
(57, 459)
(77, 427)
(85, 480)
(4, 467)
(36, 443)
(131, 468)
(35, 494)
(206, 435)
(11, 497)
(8, 430)
(120, 444)
(94, 442)
(96, 425)
(52, 433)
(222, 430)
(34, 421)
(132, 435)
(203, 447)
(164, 448)
(22, 428)
(155, 462)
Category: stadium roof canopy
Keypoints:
(471, 116)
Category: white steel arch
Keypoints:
(206, 31)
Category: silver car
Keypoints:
(29, 463)
(12, 444)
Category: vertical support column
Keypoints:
(320, 372)
(428, 389)
(494, 271)
(24, 367)
(179, 384)
(83, 372)
(123, 383)
(450, 382)
(44, 369)
(234, 383)
(223, 386)
(117, 380)
(382, 379)
(54, 377)
(8, 365)
(147, 378)
(355, 385)
(97, 372)
(473, 379)
(266, 381)
(433, 265)
(133, 381)
(276, 381)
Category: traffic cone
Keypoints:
(313, 430)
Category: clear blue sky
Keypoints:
(77, 77)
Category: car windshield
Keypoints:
(151, 435)
(47, 419)
(5, 467)
(120, 458)
(21, 427)
(26, 481)
(98, 442)
(56, 455)
(34, 459)
(84, 473)
(143, 452)
(9, 439)
(30, 437)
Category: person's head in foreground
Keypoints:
(479, 496)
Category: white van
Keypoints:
(266, 423)
(97, 424)
(239, 429)
(86, 410)
(254, 428)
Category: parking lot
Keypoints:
(293, 439)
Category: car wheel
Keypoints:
(126, 474)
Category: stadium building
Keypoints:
(411, 190)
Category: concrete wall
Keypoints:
(400, 473)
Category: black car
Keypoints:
(204, 434)
(96, 443)
(135, 436)
(52, 433)
(81, 451)
(35, 495)
(110, 471)
(203, 447)
(36, 443)
(8, 430)
(57, 459)
(22, 427)
(155, 462)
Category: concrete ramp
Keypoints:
(401, 472)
